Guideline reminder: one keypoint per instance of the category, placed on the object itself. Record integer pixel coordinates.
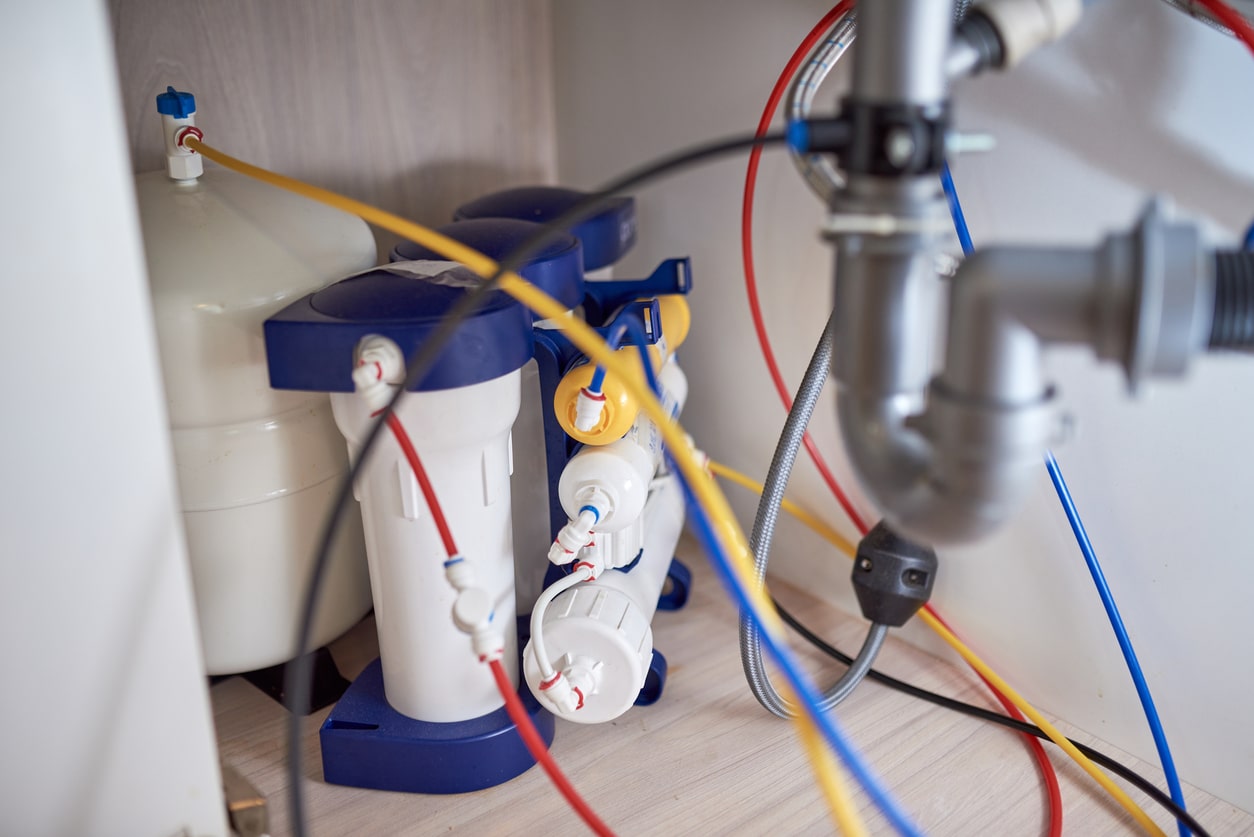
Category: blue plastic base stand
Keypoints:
(654, 681)
(679, 582)
(368, 744)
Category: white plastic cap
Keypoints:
(1024, 25)
(605, 645)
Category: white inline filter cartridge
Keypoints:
(598, 633)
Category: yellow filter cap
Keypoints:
(617, 416)
(676, 319)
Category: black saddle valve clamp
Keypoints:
(877, 139)
(892, 576)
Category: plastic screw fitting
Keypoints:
(459, 572)
(575, 535)
(380, 369)
(560, 695)
(588, 408)
(472, 614)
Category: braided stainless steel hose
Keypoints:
(764, 530)
(819, 171)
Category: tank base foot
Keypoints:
(328, 684)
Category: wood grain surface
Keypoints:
(416, 105)
(706, 759)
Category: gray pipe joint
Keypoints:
(948, 450)
(953, 460)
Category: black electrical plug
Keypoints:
(892, 576)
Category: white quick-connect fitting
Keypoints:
(571, 686)
(181, 163)
(488, 644)
(1024, 25)
(559, 695)
(588, 408)
(379, 371)
(459, 572)
(577, 534)
(474, 611)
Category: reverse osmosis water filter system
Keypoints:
(479, 438)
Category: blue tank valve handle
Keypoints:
(176, 103)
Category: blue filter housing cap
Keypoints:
(310, 344)
(176, 103)
(606, 236)
(557, 269)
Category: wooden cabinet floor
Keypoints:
(706, 759)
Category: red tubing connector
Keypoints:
(185, 132)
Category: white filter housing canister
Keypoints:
(458, 420)
(463, 437)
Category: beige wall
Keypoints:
(417, 106)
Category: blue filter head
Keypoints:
(606, 236)
(557, 269)
(310, 344)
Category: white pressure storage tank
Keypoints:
(257, 467)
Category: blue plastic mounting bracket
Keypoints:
(673, 276)
(646, 311)
(654, 681)
(678, 582)
(368, 744)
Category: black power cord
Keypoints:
(996, 718)
(300, 671)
